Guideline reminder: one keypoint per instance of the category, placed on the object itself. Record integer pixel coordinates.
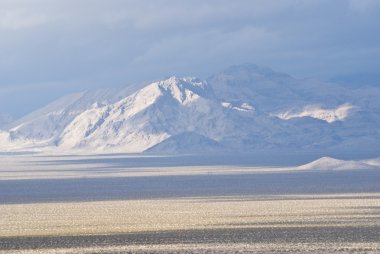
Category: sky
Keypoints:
(49, 48)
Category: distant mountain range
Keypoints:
(245, 108)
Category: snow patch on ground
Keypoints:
(329, 163)
(329, 115)
(373, 162)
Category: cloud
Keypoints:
(112, 42)
(206, 45)
(16, 20)
(22, 14)
(364, 5)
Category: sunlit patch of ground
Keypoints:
(305, 223)
(190, 214)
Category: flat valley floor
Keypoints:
(184, 204)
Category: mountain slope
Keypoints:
(48, 122)
(245, 108)
(147, 117)
(186, 142)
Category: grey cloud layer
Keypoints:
(64, 46)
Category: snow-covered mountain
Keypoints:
(244, 108)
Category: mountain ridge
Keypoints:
(244, 108)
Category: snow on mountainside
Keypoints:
(8, 143)
(47, 123)
(329, 115)
(147, 117)
(273, 91)
(245, 108)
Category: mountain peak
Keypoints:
(184, 82)
(232, 110)
(185, 89)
